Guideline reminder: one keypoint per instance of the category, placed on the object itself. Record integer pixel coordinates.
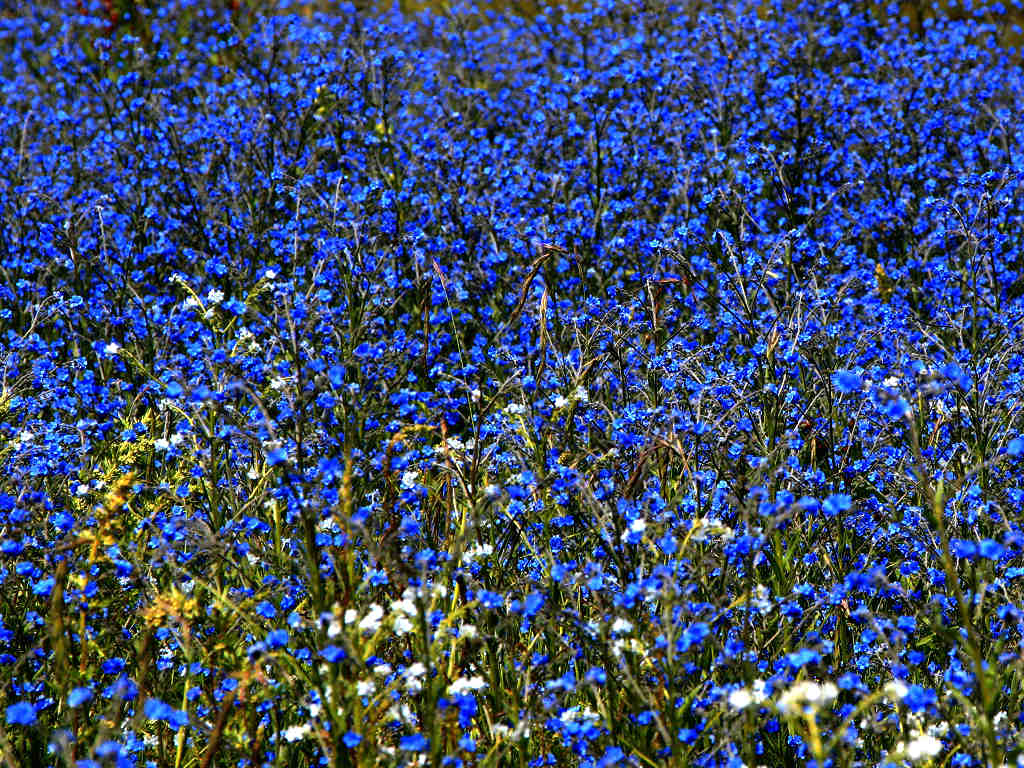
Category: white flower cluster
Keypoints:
(920, 746)
(704, 527)
(741, 698)
(806, 697)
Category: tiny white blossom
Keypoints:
(759, 691)
(807, 695)
(740, 699)
(215, 296)
(895, 690)
(412, 675)
(297, 732)
(622, 626)
(371, 621)
(465, 685)
(922, 746)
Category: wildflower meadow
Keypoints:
(627, 383)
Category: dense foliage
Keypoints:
(635, 386)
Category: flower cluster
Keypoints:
(624, 383)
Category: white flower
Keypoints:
(921, 747)
(161, 444)
(297, 732)
(371, 621)
(404, 606)
(26, 436)
(762, 599)
(215, 296)
(402, 712)
(402, 626)
(112, 348)
(351, 615)
(635, 532)
(477, 550)
(759, 691)
(270, 274)
(412, 675)
(328, 524)
(409, 479)
(895, 690)
(740, 699)
(465, 685)
(334, 628)
(366, 687)
(382, 670)
(622, 626)
(468, 630)
(807, 695)
(561, 402)
(892, 382)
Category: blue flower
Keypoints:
(847, 382)
(990, 549)
(416, 742)
(79, 696)
(835, 504)
(963, 548)
(112, 666)
(158, 710)
(351, 739)
(333, 654)
(897, 408)
(277, 638)
(22, 713)
(918, 698)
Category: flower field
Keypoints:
(640, 384)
